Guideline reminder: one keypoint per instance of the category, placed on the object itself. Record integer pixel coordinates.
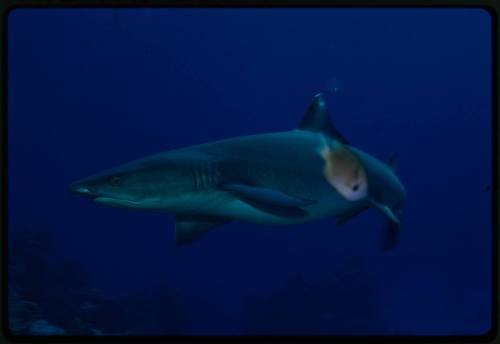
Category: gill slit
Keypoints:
(205, 176)
(195, 182)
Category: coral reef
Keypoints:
(342, 304)
(48, 296)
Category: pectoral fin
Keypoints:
(269, 200)
(191, 228)
(267, 196)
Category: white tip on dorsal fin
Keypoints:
(317, 119)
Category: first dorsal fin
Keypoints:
(317, 119)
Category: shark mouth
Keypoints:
(115, 201)
(109, 200)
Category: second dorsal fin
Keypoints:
(317, 119)
(392, 162)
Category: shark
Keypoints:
(280, 178)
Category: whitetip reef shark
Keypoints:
(278, 178)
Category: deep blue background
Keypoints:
(91, 89)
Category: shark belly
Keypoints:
(242, 211)
(223, 205)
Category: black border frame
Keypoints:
(491, 6)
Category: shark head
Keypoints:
(354, 174)
(384, 188)
(358, 176)
(344, 171)
(143, 184)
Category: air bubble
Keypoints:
(333, 85)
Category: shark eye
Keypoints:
(115, 181)
(355, 187)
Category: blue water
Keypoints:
(89, 89)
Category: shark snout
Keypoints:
(80, 189)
